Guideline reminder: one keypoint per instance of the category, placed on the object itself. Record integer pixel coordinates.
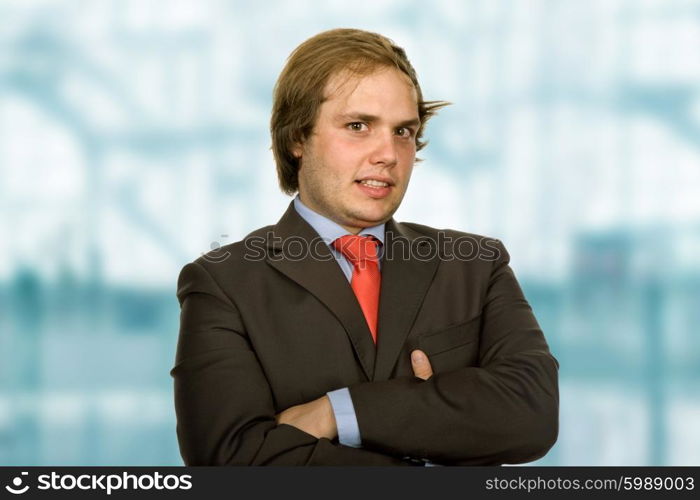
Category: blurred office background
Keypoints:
(134, 136)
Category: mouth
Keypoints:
(375, 187)
(377, 182)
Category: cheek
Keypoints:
(339, 142)
(346, 150)
(407, 159)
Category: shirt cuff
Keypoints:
(345, 418)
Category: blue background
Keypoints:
(134, 137)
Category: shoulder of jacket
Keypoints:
(237, 251)
(429, 231)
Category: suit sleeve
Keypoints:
(223, 402)
(503, 411)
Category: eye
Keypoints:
(357, 126)
(404, 132)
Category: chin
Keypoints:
(373, 217)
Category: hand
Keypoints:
(421, 365)
(315, 418)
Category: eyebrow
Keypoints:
(414, 122)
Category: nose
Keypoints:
(384, 152)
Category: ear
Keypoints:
(297, 150)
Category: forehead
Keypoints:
(382, 86)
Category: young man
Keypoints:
(340, 336)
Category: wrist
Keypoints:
(331, 429)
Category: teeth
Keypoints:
(373, 183)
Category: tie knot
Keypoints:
(357, 249)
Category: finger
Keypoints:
(421, 365)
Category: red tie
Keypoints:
(361, 251)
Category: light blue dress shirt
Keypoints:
(329, 231)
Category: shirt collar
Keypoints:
(329, 230)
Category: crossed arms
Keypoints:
(317, 417)
(505, 410)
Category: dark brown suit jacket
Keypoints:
(263, 329)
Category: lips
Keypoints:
(375, 187)
(373, 183)
(376, 181)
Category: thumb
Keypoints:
(421, 365)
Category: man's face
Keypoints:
(356, 164)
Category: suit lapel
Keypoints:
(406, 276)
(322, 277)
